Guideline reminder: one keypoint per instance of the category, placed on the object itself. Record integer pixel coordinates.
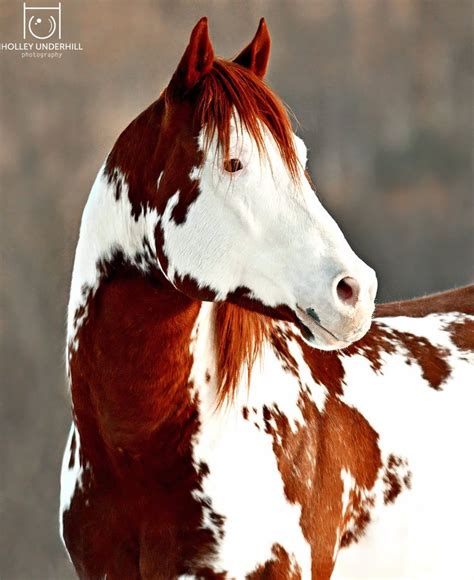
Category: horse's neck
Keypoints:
(128, 330)
(131, 370)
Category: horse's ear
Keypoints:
(196, 61)
(255, 56)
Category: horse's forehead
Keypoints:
(240, 138)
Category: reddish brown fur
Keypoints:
(462, 334)
(319, 448)
(239, 338)
(359, 510)
(279, 568)
(392, 479)
(457, 300)
(256, 55)
(382, 339)
(136, 420)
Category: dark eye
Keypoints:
(232, 165)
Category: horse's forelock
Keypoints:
(231, 92)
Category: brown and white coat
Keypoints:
(211, 439)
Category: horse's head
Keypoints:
(240, 221)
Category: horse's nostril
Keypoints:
(348, 290)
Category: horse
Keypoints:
(239, 408)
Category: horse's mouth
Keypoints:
(317, 335)
(305, 331)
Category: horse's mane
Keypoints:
(231, 91)
(240, 335)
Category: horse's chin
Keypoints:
(318, 337)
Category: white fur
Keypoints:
(259, 229)
(348, 484)
(427, 532)
(245, 486)
(107, 225)
(71, 477)
(244, 483)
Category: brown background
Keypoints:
(383, 92)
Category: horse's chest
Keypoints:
(246, 485)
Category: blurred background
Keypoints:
(383, 91)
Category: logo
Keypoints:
(41, 22)
(42, 28)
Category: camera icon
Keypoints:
(41, 22)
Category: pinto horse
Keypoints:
(233, 416)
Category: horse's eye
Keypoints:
(233, 165)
